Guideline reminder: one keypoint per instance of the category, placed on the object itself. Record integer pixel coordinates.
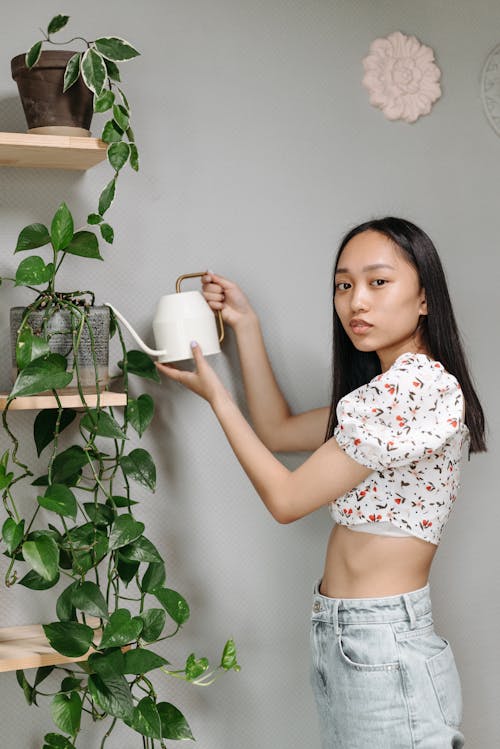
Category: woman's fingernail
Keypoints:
(194, 344)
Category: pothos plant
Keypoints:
(115, 600)
(98, 67)
(93, 539)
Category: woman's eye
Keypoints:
(342, 283)
(380, 279)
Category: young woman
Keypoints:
(386, 459)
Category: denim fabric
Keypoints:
(381, 676)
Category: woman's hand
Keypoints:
(203, 380)
(222, 294)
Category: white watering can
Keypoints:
(181, 318)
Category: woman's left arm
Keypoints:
(288, 495)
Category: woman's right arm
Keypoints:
(273, 421)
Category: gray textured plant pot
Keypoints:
(60, 341)
(44, 103)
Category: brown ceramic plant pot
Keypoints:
(47, 109)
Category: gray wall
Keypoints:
(259, 149)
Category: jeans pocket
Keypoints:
(368, 648)
(446, 682)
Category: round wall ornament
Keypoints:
(401, 77)
(490, 89)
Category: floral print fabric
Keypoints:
(406, 424)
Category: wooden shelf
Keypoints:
(50, 151)
(68, 400)
(27, 647)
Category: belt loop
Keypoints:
(410, 610)
(335, 616)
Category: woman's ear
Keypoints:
(423, 303)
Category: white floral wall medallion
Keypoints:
(490, 89)
(401, 77)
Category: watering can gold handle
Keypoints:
(199, 275)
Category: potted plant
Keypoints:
(84, 524)
(60, 90)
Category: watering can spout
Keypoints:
(146, 349)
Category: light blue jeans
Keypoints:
(382, 678)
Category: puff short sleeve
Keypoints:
(402, 415)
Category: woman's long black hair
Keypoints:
(440, 334)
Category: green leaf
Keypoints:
(44, 426)
(124, 530)
(56, 741)
(56, 24)
(72, 71)
(68, 463)
(84, 244)
(104, 101)
(5, 478)
(121, 630)
(69, 683)
(138, 465)
(112, 70)
(140, 364)
(32, 236)
(66, 711)
(34, 581)
(88, 597)
(43, 556)
(12, 534)
(107, 196)
(29, 347)
(107, 233)
(111, 133)
(33, 55)
(93, 70)
(61, 229)
(120, 116)
(146, 718)
(126, 570)
(108, 665)
(140, 412)
(116, 49)
(173, 724)
(121, 501)
(118, 154)
(94, 218)
(141, 550)
(64, 606)
(113, 696)
(139, 661)
(58, 498)
(29, 692)
(174, 604)
(32, 272)
(134, 157)
(41, 674)
(102, 424)
(45, 373)
(99, 514)
(228, 660)
(154, 622)
(69, 638)
(154, 577)
(195, 667)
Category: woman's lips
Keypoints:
(360, 329)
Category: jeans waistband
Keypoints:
(403, 606)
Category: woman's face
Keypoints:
(387, 297)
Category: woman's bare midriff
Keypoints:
(366, 565)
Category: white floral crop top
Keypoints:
(406, 424)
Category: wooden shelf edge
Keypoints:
(50, 151)
(68, 400)
(26, 646)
